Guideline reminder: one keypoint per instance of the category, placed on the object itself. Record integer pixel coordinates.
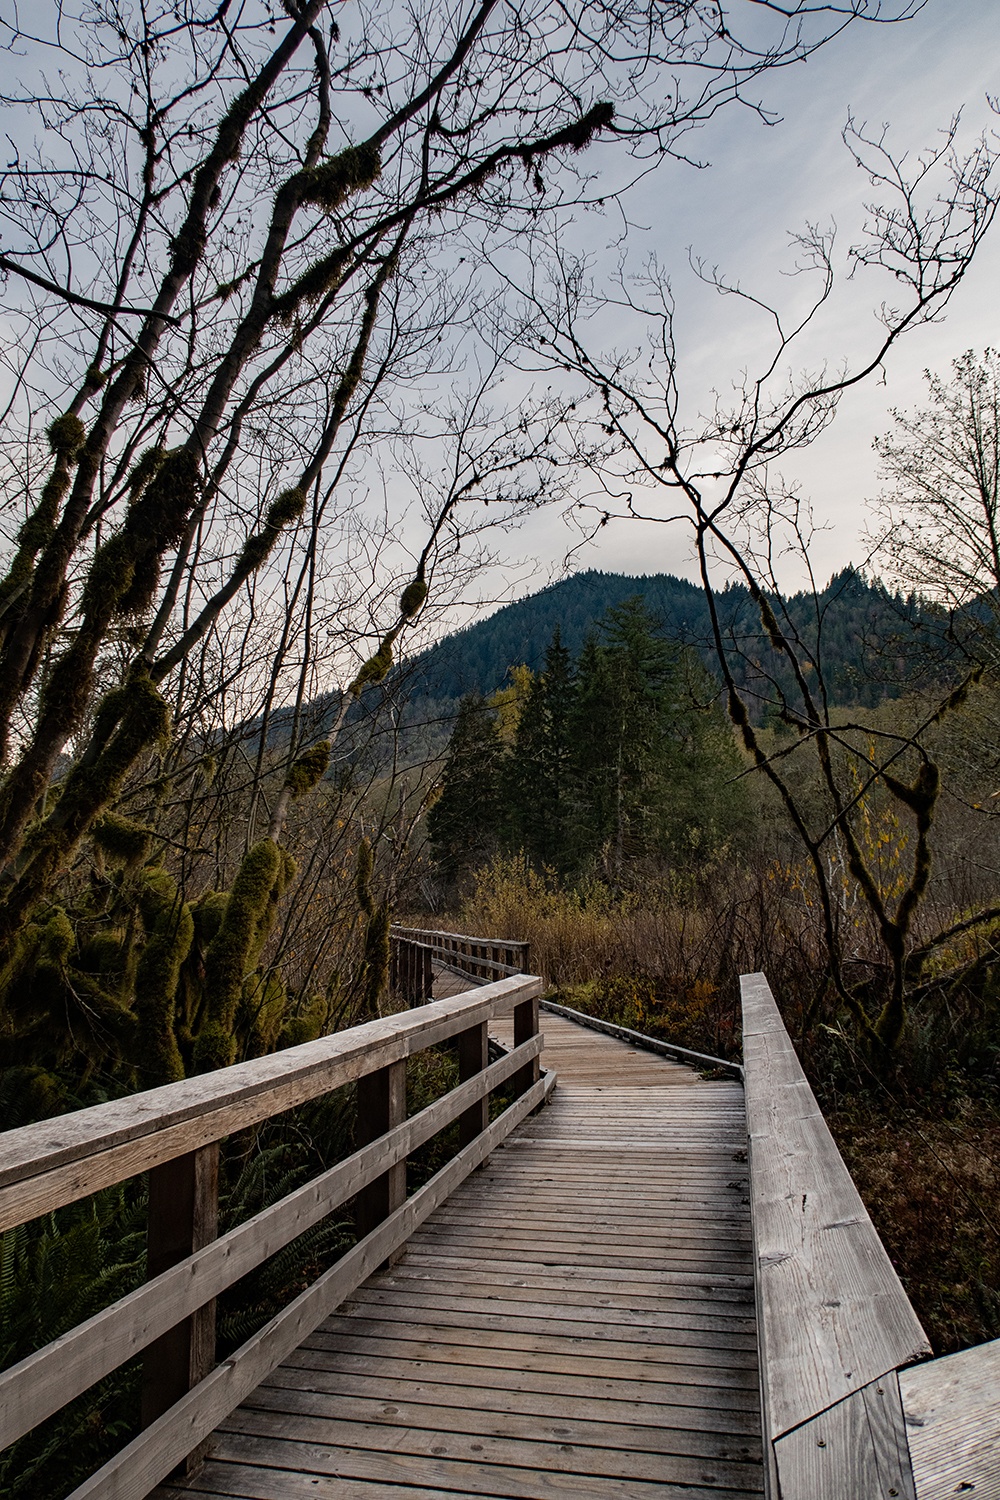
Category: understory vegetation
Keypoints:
(662, 951)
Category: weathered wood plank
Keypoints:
(403, 1406)
(833, 1315)
(183, 1217)
(473, 1476)
(952, 1412)
(856, 1450)
(671, 1405)
(154, 1453)
(61, 1160)
(502, 1450)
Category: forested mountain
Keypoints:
(871, 643)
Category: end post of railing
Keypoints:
(183, 1217)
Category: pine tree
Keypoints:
(463, 825)
(538, 781)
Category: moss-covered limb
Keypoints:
(376, 960)
(126, 562)
(921, 799)
(170, 933)
(143, 720)
(261, 1014)
(303, 775)
(66, 436)
(250, 909)
(122, 839)
(362, 878)
(21, 653)
(53, 1012)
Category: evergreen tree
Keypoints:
(464, 823)
(538, 780)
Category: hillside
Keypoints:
(872, 642)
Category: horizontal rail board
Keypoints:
(40, 1384)
(420, 933)
(833, 1316)
(151, 1456)
(650, 1043)
(58, 1161)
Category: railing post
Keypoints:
(183, 1216)
(525, 1027)
(473, 1057)
(381, 1106)
(426, 973)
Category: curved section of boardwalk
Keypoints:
(576, 1321)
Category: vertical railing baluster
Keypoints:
(183, 1216)
(381, 1106)
(525, 1027)
(473, 1057)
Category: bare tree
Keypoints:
(720, 479)
(205, 250)
(938, 520)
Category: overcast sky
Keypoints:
(763, 185)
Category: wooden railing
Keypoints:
(415, 949)
(173, 1133)
(834, 1325)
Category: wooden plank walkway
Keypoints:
(576, 1321)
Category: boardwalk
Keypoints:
(576, 1321)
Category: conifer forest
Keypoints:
(303, 319)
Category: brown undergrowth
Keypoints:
(921, 1137)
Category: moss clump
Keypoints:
(334, 180)
(322, 277)
(306, 1025)
(122, 839)
(66, 435)
(287, 508)
(261, 1014)
(250, 908)
(145, 468)
(377, 667)
(308, 770)
(412, 598)
(170, 928)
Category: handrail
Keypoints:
(415, 949)
(175, 1130)
(57, 1161)
(834, 1324)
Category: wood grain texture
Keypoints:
(576, 1321)
(58, 1161)
(952, 1411)
(832, 1314)
(856, 1450)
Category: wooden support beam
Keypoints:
(473, 1057)
(381, 1107)
(525, 1027)
(183, 1218)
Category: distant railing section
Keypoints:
(173, 1133)
(414, 951)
